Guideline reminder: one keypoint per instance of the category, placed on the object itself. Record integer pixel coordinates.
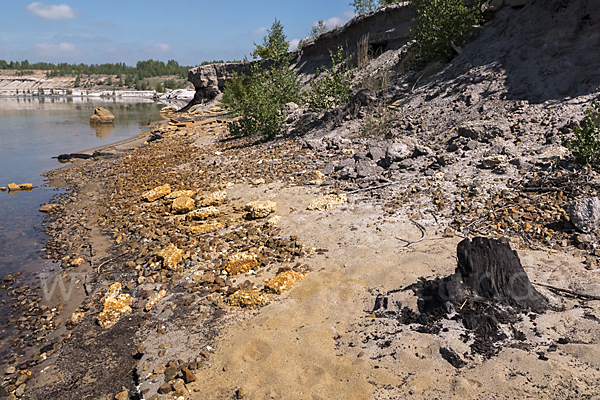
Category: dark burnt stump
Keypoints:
(493, 271)
(489, 290)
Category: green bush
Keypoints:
(259, 98)
(586, 145)
(330, 88)
(441, 23)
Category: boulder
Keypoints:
(283, 281)
(154, 299)
(240, 263)
(102, 116)
(156, 193)
(171, 256)
(13, 187)
(397, 152)
(585, 214)
(182, 205)
(328, 202)
(213, 199)
(204, 213)
(115, 304)
(485, 131)
(260, 209)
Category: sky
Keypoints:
(190, 32)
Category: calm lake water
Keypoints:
(32, 131)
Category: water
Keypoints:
(32, 131)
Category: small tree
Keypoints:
(77, 81)
(318, 29)
(274, 43)
(260, 97)
(109, 81)
(120, 82)
(442, 23)
(159, 88)
(586, 145)
(331, 88)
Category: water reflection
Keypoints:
(102, 130)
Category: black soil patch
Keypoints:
(488, 290)
(95, 363)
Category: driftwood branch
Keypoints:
(579, 295)
(423, 233)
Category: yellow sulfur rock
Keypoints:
(205, 228)
(283, 281)
(328, 202)
(314, 178)
(182, 205)
(273, 221)
(240, 263)
(77, 262)
(26, 186)
(115, 305)
(204, 213)
(260, 209)
(154, 299)
(248, 298)
(213, 199)
(157, 193)
(171, 256)
(13, 187)
(179, 193)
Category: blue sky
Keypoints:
(92, 31)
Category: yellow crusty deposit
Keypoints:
(179, 193)
(182, 205)
(213, 199)
(205, 228)
(240, 263)
(260, 209)
(204, 213)
(327, 202)
(156, 297)
(171, 256)
(248, 298)
(283, 281)
(157, 193)
(115, 305)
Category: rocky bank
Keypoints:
(213, 267)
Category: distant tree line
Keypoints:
(143, 69)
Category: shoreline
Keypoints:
(184, 326)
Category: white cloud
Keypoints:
(54, 50)
(259, 31)
(339, 20)
(61, 11)
(160, 48)
(294, 44)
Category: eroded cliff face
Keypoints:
(384, 29)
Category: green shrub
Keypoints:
(330, 88)
(259, 98)
(441, 23)
(586, 145)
